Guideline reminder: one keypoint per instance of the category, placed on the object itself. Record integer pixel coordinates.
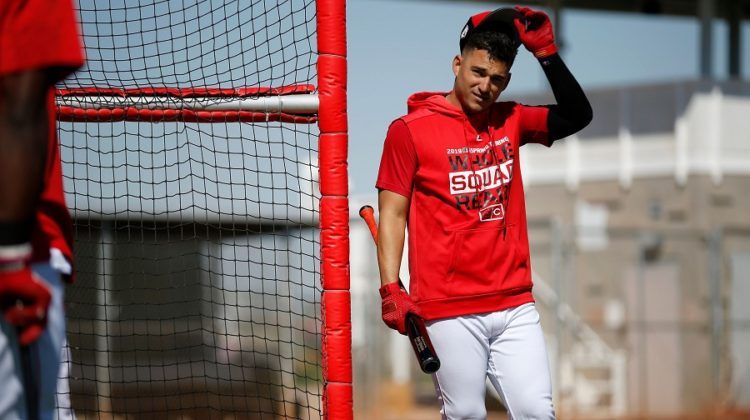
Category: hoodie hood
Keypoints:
(435, 102)
(438, 102)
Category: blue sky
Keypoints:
(400, 47)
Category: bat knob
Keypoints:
(430, 365)
(365, 209)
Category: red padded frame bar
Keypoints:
(130, 113)
(69, 113)
(189, 92)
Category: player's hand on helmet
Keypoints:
(396, 306)
(535, 32)
(24, 299)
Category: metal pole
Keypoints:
(101, 331)
(557, 272)
(641, 320)
(717, 312)
(735, 38)
(625, 139)
(558, 24)
(706, 15)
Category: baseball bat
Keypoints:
(415, 328)
(28, 372)
(29, 384)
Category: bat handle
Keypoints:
(368, 214)
(29, 383)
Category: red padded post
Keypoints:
(334, 210)
(332, 156)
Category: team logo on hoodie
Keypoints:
(480, 178)
(493, 212)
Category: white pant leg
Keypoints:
(518, 366)
(47, 350)
(12, 404)
(463, 348)
(64, 409)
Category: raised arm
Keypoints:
(573, 111)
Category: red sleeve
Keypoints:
(398, 165)
(39, 34)
(54, 227)
(533, 124)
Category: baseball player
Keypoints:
(450, 172)
(39, 45)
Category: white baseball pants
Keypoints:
(508, 348)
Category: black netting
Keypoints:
(197, 252)
(197, 43)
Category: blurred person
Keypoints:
(39, 45)
(450, 173)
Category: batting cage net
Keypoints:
(204, 162)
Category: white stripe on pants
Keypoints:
(505, 346)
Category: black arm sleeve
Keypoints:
(573, 111)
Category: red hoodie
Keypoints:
(468, 243)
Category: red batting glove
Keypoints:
(536, 33)
(24, 300)
(396, 305)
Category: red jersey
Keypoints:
(42, 34)
(468, 243)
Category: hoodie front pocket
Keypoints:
(484, 259)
